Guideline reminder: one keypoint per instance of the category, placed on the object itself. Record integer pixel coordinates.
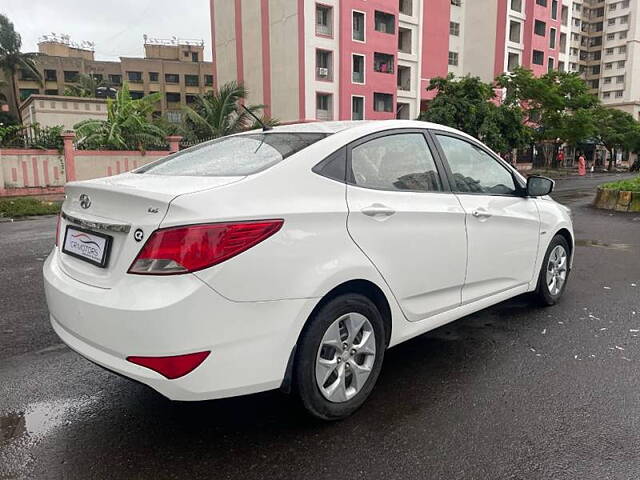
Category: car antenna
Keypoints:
(265, 127)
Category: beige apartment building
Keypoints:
(175, 68)
(605, 48)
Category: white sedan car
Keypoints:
(293, 258)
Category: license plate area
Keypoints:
(87, 245)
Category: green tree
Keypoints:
(219, 113)
(127, 127)
(12, 60)
(468, 104)
(615, 131)
(558, 104)
(86, 86)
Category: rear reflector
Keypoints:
(175, 250)
(171, 367)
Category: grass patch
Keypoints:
(631, 185)
(27, 206)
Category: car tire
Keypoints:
(354, 320)
(552, 270)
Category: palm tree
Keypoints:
(127, 126)
(219, 113)
(86, 86)
(12, 59)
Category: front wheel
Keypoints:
(554, 272)
(339, 356)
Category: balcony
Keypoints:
(383, 63)
(404, 78)
(404, 40)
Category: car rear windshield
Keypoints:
(233, 156)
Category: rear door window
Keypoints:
(233, 156)
(399, 162)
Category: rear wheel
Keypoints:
(339, 356)
(554, 272)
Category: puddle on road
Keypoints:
(599, 244)
(21, 431)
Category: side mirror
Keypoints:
(539, 186)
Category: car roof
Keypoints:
(366, 126)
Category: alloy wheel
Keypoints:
(345, 357)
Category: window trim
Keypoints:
(364, 24)
(519, 184)
(444, 179)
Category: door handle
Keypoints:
(480, 213)
(378, 209)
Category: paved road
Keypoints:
(513, 392)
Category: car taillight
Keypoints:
(58, 231)
(171, 367)
(176, 250)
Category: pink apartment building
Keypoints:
(373, 59)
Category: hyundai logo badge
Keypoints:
(85, 201)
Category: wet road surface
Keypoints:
(515, 391)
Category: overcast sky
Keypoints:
(115, 26)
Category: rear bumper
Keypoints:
(250, 342)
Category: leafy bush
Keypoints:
(632, 185)
(26, 206)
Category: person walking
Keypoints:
(582, 165)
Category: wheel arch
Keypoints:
(364, 287)
(566, 234)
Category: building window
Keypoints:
(383, 63)
(623, 35)
(357, 75)
(385, 22)
(357, 108)
(611, 36)
(172, 78)
(608, 66)
(173, 97)
(608, 51)
(454, 29)
(383, 102)
(516, 5)
(538, 57)
(620, 79)
(190, 98)
(552, 38)
(515, 29)
(404, 78)
(607, 80)
(134, 77)
(208, 80)
(513, 61)
(456, 3)
(71, 76)
(27, 92)
(624, 19)
(191, 80)
(406, 7)
(51, 75)
(453, 58)
(595, 70)
(324, 65)
(51, 92)
(561, 66)
(153, 77)
(358, 26)
(619, 93)
(622, 49)
(621, 64)
(136, 94)
(404, 40)
(542, 2)
(195, 57)
(550, 64)
(612, 21)
(594, 83)
(324, 20)
(540, 28)
(115, 79)
(554, 9)
(606, 95)
(324, 106)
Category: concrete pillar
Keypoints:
(69, 155)
(174, 142)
